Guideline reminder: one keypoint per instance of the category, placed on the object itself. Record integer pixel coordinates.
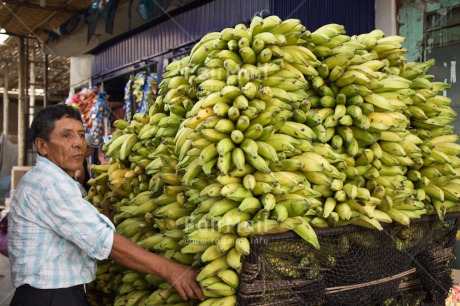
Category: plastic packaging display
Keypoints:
(99, 112)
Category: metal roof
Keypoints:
(28, 18)
(32, 19)
(58, 69)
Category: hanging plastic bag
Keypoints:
(99, 112)
(128, 101)
(91, 18)
(145, 9)
(139, 91)
(108, 14)
(150, 92)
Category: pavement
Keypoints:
(6, 289)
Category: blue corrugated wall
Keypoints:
(152, 44)
(358, 16)
(130, 54)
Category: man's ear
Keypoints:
(41, 146)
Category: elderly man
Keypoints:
(55, 235)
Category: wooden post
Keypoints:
(6, 102)
(21, 101)
(32, 86)
(45, 79)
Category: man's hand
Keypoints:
(183, 279)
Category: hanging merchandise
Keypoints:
(84, 101)
(150, 92)
(455, 296)
(140, 93)
(138, 90)
(99, 115)
(128, 100)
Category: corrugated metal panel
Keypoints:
(358, 16)
(131, 53)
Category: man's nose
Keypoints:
(79, 141)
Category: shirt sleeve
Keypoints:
(77, 220)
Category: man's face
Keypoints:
(66, 146)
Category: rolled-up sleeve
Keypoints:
(77, 220)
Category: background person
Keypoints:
(82, 175)
(55, 235)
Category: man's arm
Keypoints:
(181, 277)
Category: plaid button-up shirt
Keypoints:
(54, 235)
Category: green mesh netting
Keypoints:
(354, 266)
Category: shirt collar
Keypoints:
(47, 163)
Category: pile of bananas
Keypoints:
(268, 128)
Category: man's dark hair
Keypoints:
(43, 123)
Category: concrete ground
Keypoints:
(6, 289)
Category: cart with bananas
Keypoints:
(289, 166)
(354, 266)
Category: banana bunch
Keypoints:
(132, 288)
(117, 182)
(401, 113)
(141, 183)
(103, 277)
(315, 130)
(161, 296)
(99, 191)
(267, 128)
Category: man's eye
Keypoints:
(66, 135)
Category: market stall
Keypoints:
(290, 167)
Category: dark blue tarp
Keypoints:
(109, 15)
